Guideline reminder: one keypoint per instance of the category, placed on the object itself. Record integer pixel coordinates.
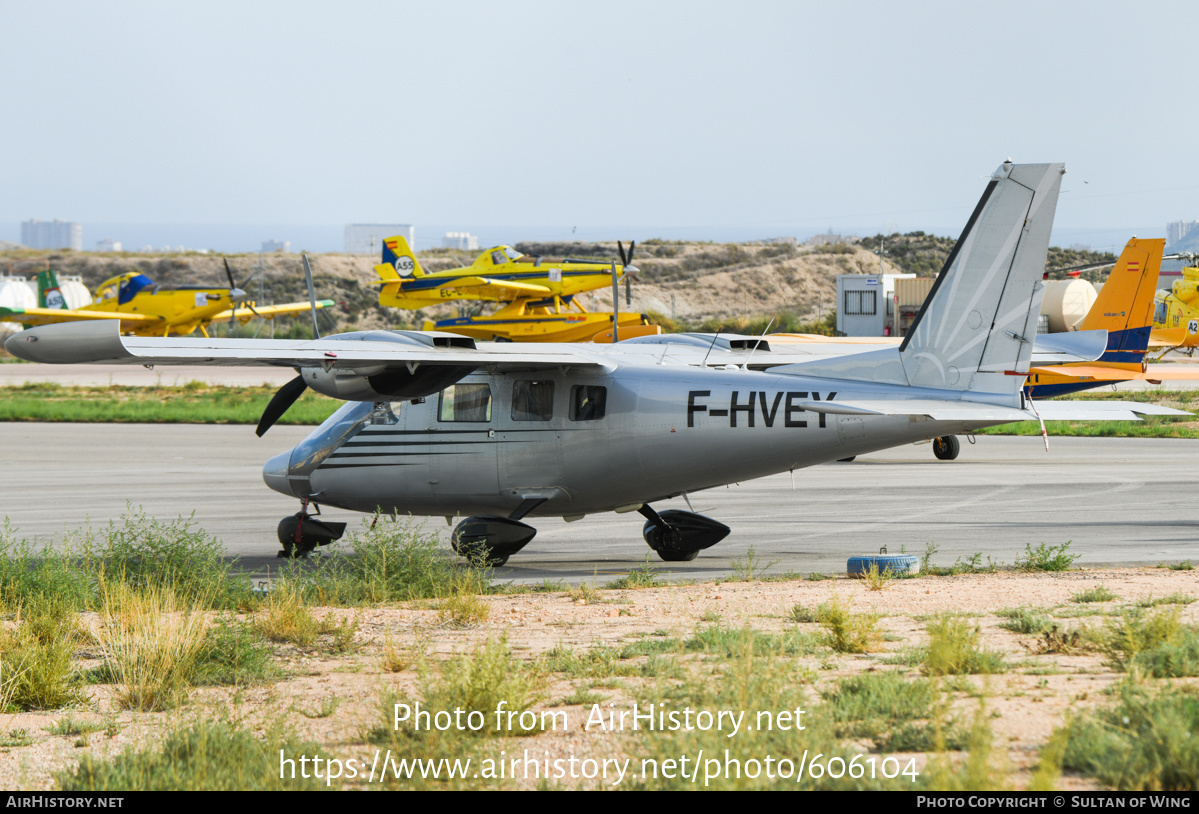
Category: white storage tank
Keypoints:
(1067, 303)
(14, 293)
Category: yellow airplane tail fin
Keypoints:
(399, 255)
(399, 264)
(1124, 307)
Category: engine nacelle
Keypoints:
(395, 381)
(388, 384)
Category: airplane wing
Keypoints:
(366, 352)
(1152, 373)
(51, 316)
(483, 288)
(244, 314)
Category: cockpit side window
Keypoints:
(587, 402)
(532, 401)
(498, 257)
(465, 402)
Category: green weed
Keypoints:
(1046, 558)
(954, 648)
(204, 756)
(1143, 742)
(1024, 620)
(847, 632)
(1100, 593)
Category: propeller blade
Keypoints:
(232, 287)
(628, 291)
(280, 402)
(316, 331)
(620, 248)
(632, 246)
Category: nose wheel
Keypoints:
(301, 533)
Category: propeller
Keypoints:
(288, 393)
(237, 293)
(280, 402)
(316, 331)
(629, 268)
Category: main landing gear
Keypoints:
(947, 447)
(301, 533)
(677, 536)
(492, 539)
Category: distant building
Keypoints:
(276, 246)
(820, 240)
(1180, 230)
(367, 238)
(464, 241)
(108, 245)
(56, 234)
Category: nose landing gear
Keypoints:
(301, 533)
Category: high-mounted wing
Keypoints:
(365, 352)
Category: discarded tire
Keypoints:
(896, 563)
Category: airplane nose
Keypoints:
(274, 472)
(237, 295)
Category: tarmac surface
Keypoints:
(1115, 500)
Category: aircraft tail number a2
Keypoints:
(770, 407)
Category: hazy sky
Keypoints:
(778, 117)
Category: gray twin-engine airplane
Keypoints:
(441, 425)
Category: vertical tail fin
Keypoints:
(399, 256)
(1124, 307)
(975, 330)
(49, 295)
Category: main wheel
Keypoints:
(947, 447)
(678, 556)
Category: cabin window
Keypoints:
(587, 402)
(532, 401)
(860, 303)
(1159, 314)
(465, 402)
(499, 258)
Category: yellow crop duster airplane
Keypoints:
(147, 309)
(1176, 312)
(538, 296)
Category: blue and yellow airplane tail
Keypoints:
(399, 261)
(1124, 307)
(49, 295)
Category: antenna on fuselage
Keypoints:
(716, 336)
(755, 347)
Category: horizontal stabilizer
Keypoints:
(1069, 347)
(950, 410)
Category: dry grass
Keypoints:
(151, 642)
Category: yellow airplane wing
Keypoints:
(489, 287)
(289, 309)
(50, 316)
(1157, 373)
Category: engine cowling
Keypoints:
(386, 382)
(383, 383)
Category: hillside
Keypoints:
(923, 254)
(687, 284)
(691, 282)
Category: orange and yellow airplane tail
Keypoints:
(1124, 307)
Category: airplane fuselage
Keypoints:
(581, 442)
